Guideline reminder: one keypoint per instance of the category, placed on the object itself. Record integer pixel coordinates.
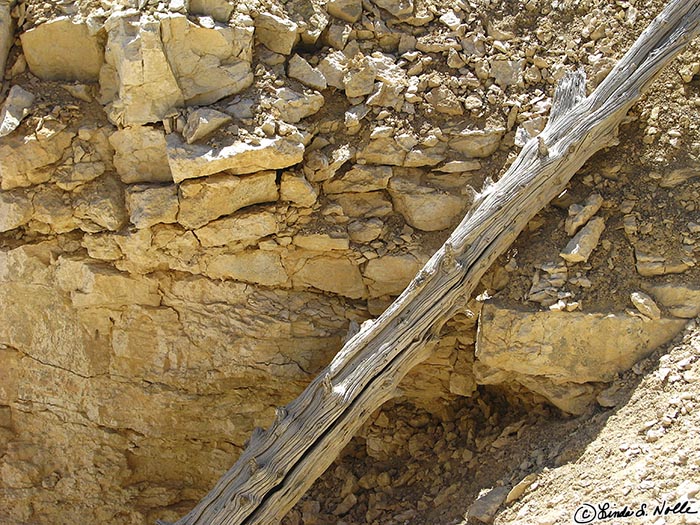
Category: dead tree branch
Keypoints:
(281, 463)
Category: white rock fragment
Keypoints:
(16, 107)
(302, 71)
(63, 49)
(276, 33)
(645, 305)
(581, 214)
(189, 161)
(333, 67)
(579, 248)
(203, 122)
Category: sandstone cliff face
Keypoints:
(197, 200)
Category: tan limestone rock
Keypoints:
(359, 79)
(549, 343)
(348, 10)
(322, 242)
(372, 204)
(150, 204)
(477, 143)
(100, 205)
(219, 10)
(6, 34)
(139, 154)
(581, 246)
(93, 284)
(257, 266)
(246, 227)
(680, 299)
(239, 158)
(203, 200)
(645, 305)
(63, 49)
(15, 108)
(390, 274)
(53, 210)
(15, 210)
(443, 100)
(425, 208)
(383, 150)
(399, 8)
(364, 231)
(276, 33)
(360, 178)
(330, 274)
(333, 67)
(299, 69)
(28, 160)
(295, 188)
(294, 106)
(581, 214)
(137, 81)
(203, 122)
(209, 63)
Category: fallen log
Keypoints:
(281, 463)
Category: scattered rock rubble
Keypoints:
(197, 198)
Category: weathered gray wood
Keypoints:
(280, 464)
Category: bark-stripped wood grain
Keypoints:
(281, 463)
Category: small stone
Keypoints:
(365, 231)
(579, 249)
(150, 204)
(346, 505)
(348, 10)
(15, 210)
(16, 107)
(294, 106)
(485, 507)
(295, 188)
(277, 34)
(580, 215)
(519, 489)
(302, 71)
(203, 122)
(645, 305)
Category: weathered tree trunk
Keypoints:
(280, 464)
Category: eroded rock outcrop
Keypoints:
(199, 199)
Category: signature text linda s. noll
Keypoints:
(588, 513)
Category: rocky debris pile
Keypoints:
(495, 460)
(198, 197)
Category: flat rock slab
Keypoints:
(189, 161)
(550, 344)
(63, 49)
